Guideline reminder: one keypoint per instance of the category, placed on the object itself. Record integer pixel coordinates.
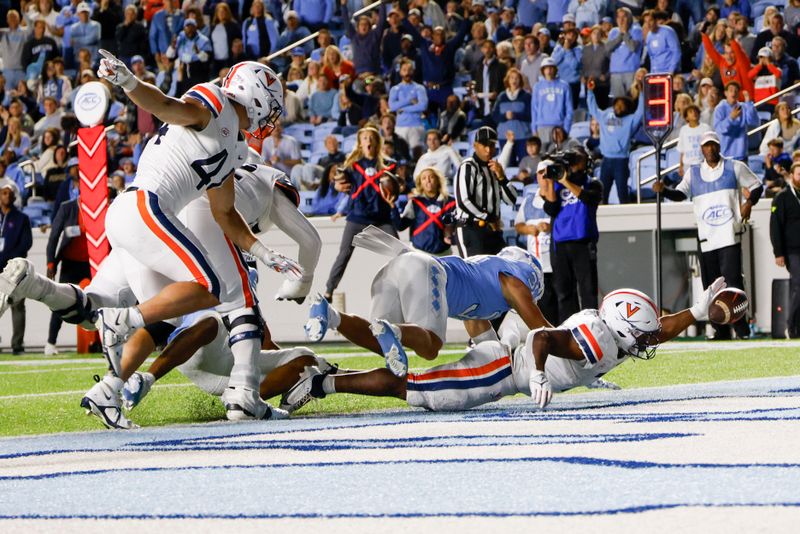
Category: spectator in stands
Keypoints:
(17, 141)
(361, 175)
(14, 173)
(776, 168)
(586, 12)
(710, 103)
(595, 63)
(281, 151)
(617, 128)
(452, 120)
(350, 115)
(409, 100)
(314, 15)
(308, 86)
(689, 139)
(17, 241)
(388, 124)
(166, 24)
(481, 185)
(193, 50)
(488, 76)
(732, 120)
(784, 230)
(131, 36)
(292, 107)
(533, 222)
(429, 213)
(44, 152)
(55, 175)
(439, 156)
(50, 84)
(320, 106)
(366, 40)
(790, 72)
(38, 45)
(293, 32)
(224, 29)
(324, 40)
(785, 127)
(765, 78)
(733, 65)
(367, 95)
(390, 43)
(259, 32)
(69, 188)
(530, 63)
(776, 29)
(108, 14)
(533, 149)
(327, 198)
(512, 112)
(792, 13)
(309, 175)
(12, 44)
(335, 67)
(662, 44)
(407, 51)
(437, 56)
(473, 52)
(67, 247)
(572, 202)
(551, 102)
(715, 188)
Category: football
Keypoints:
(728, 306)
(390, 185)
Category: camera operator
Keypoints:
(571, 199)
(481, 184)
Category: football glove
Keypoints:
(115, 71)
(700, 309)
(541, 391)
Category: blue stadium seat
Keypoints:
(306, 199)
(764, 116)
(511, 173)
(305, 154)
(322, 131)
(301, 131)
(316, 156)
(756, 164)
(349, 143)
(580, 131)
(462, 147)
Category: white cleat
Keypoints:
(11, 279)
(136, 388)
(103, 402)
(244, 404)
(304, 391)
(601, 383)
(50, 349)
(388, 337)
(112, 325)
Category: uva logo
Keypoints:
(717, 215)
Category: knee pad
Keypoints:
(244, 324)
(80, 312)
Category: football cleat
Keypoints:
(307, 388)
(136, 388)
(50, 349)
(275, 414)
(11, 281)
(242, 404)
(112, 325)
(388, 337)
(601, 383)
(317, 324)
(103, 402)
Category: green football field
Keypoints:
(40, 398)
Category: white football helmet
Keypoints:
(260, 91)
(634, 321)
(536, 281)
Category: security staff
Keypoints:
(714, 187)
(784, 232)
(572, 202)
(481, 185)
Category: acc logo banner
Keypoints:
(91, 103)
(717, 215)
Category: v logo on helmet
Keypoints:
(632, 309)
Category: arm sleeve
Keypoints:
(552, 208)
(711, 52)
(592, 194)
(591, 101)
(294, 224)
(746, 177)
(504, 159)
(614, 42)
(464, 180)
(508, 193)
(422, 100)
(749, 114)
(722, 121)
(394, 101)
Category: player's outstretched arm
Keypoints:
(519, 297)
(541, 344)
(224, 211)
(672, 325)
(150, 98)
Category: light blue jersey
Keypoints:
(473, 285)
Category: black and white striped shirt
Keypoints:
(478, 193)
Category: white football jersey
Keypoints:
(180, 163)
(254, 189)
(600, 351)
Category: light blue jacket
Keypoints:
(409, 115)
(85, 36)
(664, 50)
(556, 9)
(314, 12)
(160, 33)
(588, 13)
(733, 132)
(623, 58)
(551, 104)
(187, 50)
(615, 132)
(568, 62)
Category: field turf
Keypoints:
(44, 398)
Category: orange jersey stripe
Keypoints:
(141, 204)
(461, 373)
(248, 294)
(592, 341)
(210, 96)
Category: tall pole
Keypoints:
(659, 287)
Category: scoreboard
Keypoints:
(658, 106)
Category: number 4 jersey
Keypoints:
(180, 163)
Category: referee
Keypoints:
(481, 184)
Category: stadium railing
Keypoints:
(640, 182)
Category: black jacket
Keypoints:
(17, 236)
(132, 40)
(784, 223)
(57, 241)
(497, 71)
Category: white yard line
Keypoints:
(74, 392)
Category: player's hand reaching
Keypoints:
(277, 262)
(700, 309)
(115, 71)
(541, 391)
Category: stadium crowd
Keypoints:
(417, 79)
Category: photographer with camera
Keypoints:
(571, 198)
(481, 185)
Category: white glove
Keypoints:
(277, 262)
(296, 290)
(202, 56)
(170, 53)
(700, 309)
(541, 391)
(115, 71)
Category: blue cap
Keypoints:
(137, 59)
(73, 162)
(298, 51)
